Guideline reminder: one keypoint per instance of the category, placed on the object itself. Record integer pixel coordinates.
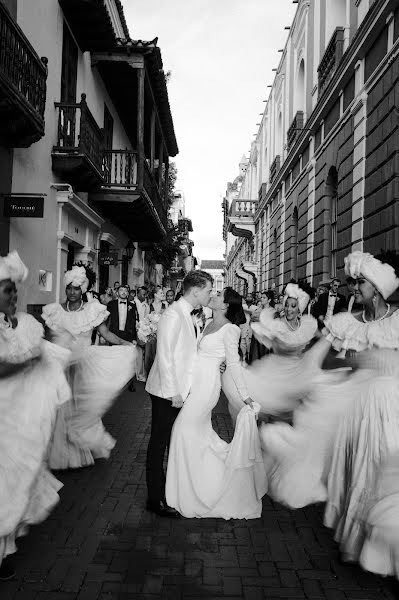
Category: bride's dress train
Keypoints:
(206, 476)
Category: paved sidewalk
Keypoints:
(101, 544)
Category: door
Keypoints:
(108, 137)
(69, 72)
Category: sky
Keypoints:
(221, 54)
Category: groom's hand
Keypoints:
(177, 401)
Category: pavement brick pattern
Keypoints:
(101, 544)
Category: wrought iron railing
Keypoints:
(274, 168)
(294, 129)
(331, 59)
(151, 187)
(245, 208)
(20, 66)
(78, 132)
(119, 168)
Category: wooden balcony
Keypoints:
(331, 59)
(274, 169)
(91, 24)
(294, 129)
(132, 196)
(22, 86)
(79, 153)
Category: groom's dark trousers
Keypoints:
(163, 417)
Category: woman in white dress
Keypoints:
(367, 440)
(97, 374)
(206, 476)
(275, 380)
(32, 385)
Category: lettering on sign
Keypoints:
(23, 206)
(108, 258)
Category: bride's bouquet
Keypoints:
(148, 327)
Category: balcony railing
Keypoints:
(274, 168)
(119, 168)
(22, 73)
(245, 208)
(151, 187)
(294, 129)
(78, 132)
(331, 58)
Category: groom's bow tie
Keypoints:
(122, 302)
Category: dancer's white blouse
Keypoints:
(345, 332)
(79, 322)
(270, 330)
(22, 343)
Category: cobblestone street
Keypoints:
(100, 543)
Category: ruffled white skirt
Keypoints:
(97, 376)
(28, 491)
(363, 499)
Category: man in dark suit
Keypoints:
(123, 318)
(329, 304)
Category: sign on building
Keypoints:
(108, 258)
(24, 206)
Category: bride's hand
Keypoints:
(250, 402)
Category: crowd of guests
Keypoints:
(128, 307)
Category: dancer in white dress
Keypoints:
(97, 374)
(32, 385)
(368, 435)
(206, 476)
(275, 380)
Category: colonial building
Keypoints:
(86, 137)
(216, 269)
(322, 177)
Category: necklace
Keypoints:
(379, 318)
(290, 326)
(76, 309)
(4, 323)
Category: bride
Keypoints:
(206, 476)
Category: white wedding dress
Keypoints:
(206, 476)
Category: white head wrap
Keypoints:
(77, 276)
(12, 267)
(292, 290)
(381, 275)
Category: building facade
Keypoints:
(322, 177)
(216, 269)
(88, 152)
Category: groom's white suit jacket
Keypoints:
(172, 371)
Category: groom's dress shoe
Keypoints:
(162, 509)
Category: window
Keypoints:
(300, 88)
(294, 243)
(332, 201)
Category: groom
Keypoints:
(169, 381)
